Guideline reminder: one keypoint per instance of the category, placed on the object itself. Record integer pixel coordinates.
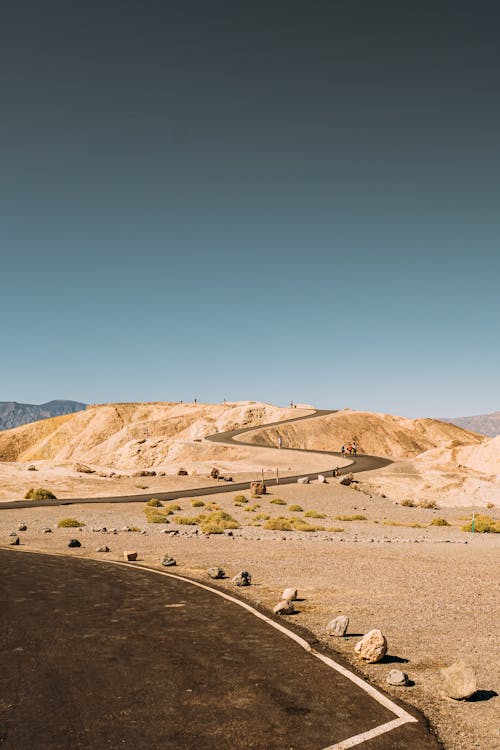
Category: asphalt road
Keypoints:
(104, 656)
(359, 464)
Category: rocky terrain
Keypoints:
(13, 414)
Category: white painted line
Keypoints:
(358, 739)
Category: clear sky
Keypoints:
(251, 200)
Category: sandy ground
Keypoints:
(434, 591)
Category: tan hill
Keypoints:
(137, 435)
(378, 434)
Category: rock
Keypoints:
(84, 469)
(257, 488)
(13, 533)
(372, 647)
(168, 562)
(216, 573)
(161, 473)
(74, 543)
(31, 468)
(321, 479)
(125, 528)
(102, 549)
(143, 473)
(303, 480)
(214, 474)
(338, 626)
(243, 578)
(289, 595)
(458, 681)
(284, 607)
(346, 481)
(130, 556)
(182, 473)
(15, 540)
(22, 527)
(397, 677)
(47, 530)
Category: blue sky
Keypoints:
(233, 201)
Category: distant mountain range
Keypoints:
(485, 424)
(13, 414)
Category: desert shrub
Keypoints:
(154, 515)
(334, 528)
(429, 504)
(356, 517)
(133, 528)
(70, 523)
(240, 499)
(483, 525)
(439, 522)
(217, 522)
(296, 508)
(252, 508)
(278, 501)
(407, 503)
(490, 505)
(197, 503)
(278, 524)
(186, 520)
(405, 525)
(262, 517)
(300, 525)
(172, 507)
(314, 514)
(154, 503)
(39, 493)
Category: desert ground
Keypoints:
(368, 550)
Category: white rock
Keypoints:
(397, 677)
(284, 608)
(338, 626)
(458, 681)
(321, 479)
(372, 647)
(289, 595)
(303, 480)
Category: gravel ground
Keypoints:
(433, 590)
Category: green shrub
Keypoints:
(278, 524)
(439, 522)
(197, 503)
(154, 503)
(154, 515)
(314, 514)
(350, 518)
(217, 522)
(296, 508)
(278, 501)
(39, 493)
(70, 523)
(483, 525)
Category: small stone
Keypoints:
(182, 473)
(22, 527)
(74, 543)
(103, 549)
(397, 677)
(303, 480)
(458, 681)
(84, 469)
(321, 479)
(171, 533)
(125, 528)
(338, 626)
(168, 562)
(284, 607)
(243, 578)
(372, 647)
(289, 595)
(15, 540)
(130, 556)
(216, 572)
(31, 468)
(47, 530)
(13, 533)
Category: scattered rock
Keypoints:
(214, 473)
(321, 479)
(216, 573)
(130, 556)
(257, 488)
(102, 549)
(47, 530)
(31, 468)
(397, 677)
(161, 473)
(84, 469)
(458, 681)
(284, 607)
(22, 527)
(338, 626)
(243, 578)
(144, 473)
(303, 480)
(13, 533)
(74, 543)
(289, 595)
(182, 473)
(346, 481)
(15, 540)
(168, 562)
(372, 647)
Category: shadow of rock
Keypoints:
(482, 695)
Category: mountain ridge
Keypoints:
(484, 424)
(13, 413)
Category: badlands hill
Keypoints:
(13, 414)
(485, 424)
(378, 434)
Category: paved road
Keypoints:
(106, 656)
(359, 464)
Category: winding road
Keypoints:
(357, 465)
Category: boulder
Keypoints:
(103, 549)
(284, 607)
(303, 480)
(74, 543)
(214, 473)
(257, 488)
(372, 647)
(397, 677)
(22, 527)
(338, 626)
(243, 578)
(14, 540)
(289, 595)
(346, 481)
(84, 469)
(130, 556)
(458, 681)
(216, 572)
(168, 562)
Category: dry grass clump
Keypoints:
(483, 525)
(70, 523)
(300, 525)
(490, 505)
(197, 503)
(262, 517)
(217, 522)
(439, 522)
(314, 514)
(355, 517)
(172, 508)
(429, 504)
(252, 508)
(187, 520)
(296, 508)
(39, 493)
(240, 499)
(407, 503)
(334, 528)
(154, 503)
(405, 525)
(278, 524)
(278, 501)
(133, 528)
(154, 515)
